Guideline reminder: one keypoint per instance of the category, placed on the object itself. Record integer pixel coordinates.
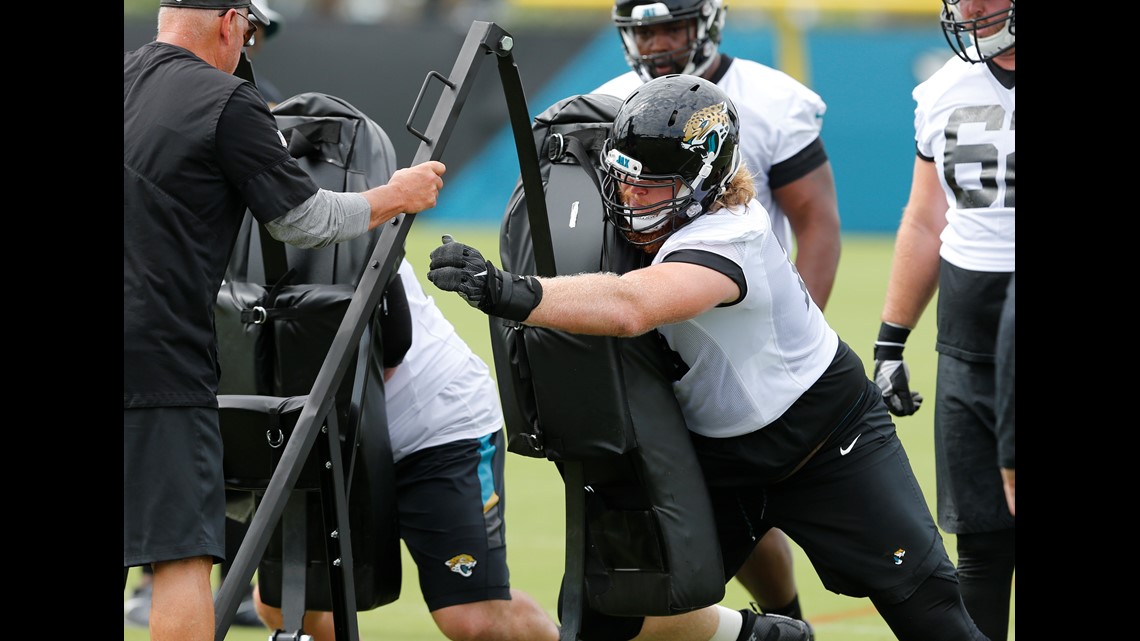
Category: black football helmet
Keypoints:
(702, 49)
(677, 129)
(956, 26)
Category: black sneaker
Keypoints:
(773, 627)
(136, 610)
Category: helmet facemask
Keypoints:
(963, 34)
(704, 20)
(643, 223)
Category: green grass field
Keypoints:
(535, 521)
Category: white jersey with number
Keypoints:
(442, 391)
(779, 117)
(963, 120)
(748, 361)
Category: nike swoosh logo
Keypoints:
(844, 450)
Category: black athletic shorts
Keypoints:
(174, 503)
(970, 498)
(450, 500)
(855, 507)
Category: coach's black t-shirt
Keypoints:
(199, 146)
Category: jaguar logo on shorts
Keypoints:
(461, 564)
(898, 556)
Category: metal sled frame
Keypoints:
(482, 38)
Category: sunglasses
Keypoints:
(249, 31)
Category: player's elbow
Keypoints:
(632, 322)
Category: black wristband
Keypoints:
(511, 296)
(893, 334)
(889, 345)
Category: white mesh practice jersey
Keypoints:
(963, 119)
(442, 391)
(749, 361)
(779, 117)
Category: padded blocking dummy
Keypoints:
(343, 150)
(606, 403)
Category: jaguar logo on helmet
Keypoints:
(704, 132)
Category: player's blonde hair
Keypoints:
(739, 191)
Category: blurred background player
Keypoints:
(956, 237)
(780, 123)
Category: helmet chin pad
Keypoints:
(990, 46)
(647, 223)
(961, 33)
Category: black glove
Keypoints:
(456, 267)
(891, 372)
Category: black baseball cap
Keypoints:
(220, 4)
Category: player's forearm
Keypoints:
(385, 203)
(914, 274)
(595, 304)
(812, 210)
(817, 261)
